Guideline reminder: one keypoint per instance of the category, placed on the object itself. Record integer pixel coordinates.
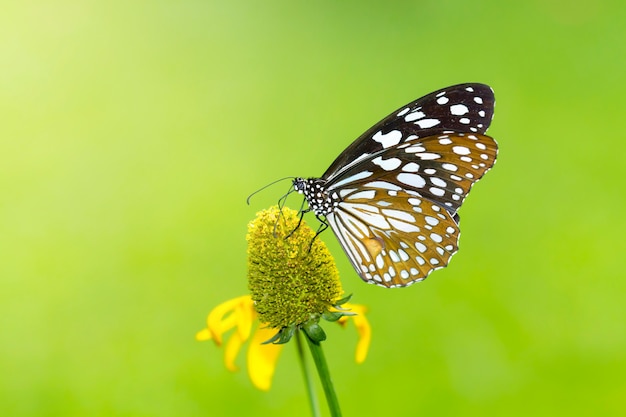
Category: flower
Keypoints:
(293, 283)
(292, 277)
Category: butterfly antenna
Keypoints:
(265, 186)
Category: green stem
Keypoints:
(327, 383)
(308, 377)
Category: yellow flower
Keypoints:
(293, 282)
(292, 277)
(261, 359)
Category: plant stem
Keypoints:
(308, 377)
(322, 370)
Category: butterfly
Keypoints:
(392, 196)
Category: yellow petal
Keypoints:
(363, 328)
(203, 334)
(218, 325)
(232, 348)
(365, 336)
(262, 358)
(246, 314)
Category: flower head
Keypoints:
(292, 276)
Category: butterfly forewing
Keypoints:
(459, 108)
(393, 242)
(440, 168)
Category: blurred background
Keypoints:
(132, 133)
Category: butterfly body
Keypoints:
(315, 193)
(392, 196)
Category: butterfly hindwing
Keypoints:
(394, 242)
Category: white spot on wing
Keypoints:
(387, 164)
(435, 237)
(415, 201)
(415, 149)
(416, 115)
(428, 156)
(391, 138)
(380, 262)
(403, 112)
(392, 271)
(413, 180)
(437, 191)
(431, 221)
(438, 182)
(411, 167)
(459, 109)
(427, 123)
(461, 150)
(420, 247)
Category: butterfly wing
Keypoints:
(395, 219)
(439, 168)
(393, 242)
(460, 108)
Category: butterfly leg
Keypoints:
(302, 213)
(323, 226)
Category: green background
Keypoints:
(132, 132)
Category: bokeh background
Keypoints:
(132, 132)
